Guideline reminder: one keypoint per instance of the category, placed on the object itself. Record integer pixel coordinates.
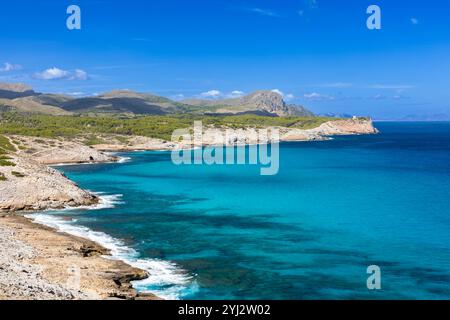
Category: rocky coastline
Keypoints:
(39, 263)
(36, 258)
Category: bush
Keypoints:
(17, 174)
(5, 145)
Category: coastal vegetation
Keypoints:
(18, 174)
(5, 147)
(154, 126)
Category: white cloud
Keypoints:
(400, 97)
(211, 94)
(179, 96)
(289, 97)
(59, 74)
(10, 67)
(313, 95)
(79, 75)
(278, 91)
(317, 96)
(76, 93)
(336, 85)
(236, 94)
(384, 97)
(52, 74)
(414, 20)
(264, 12)
(389, 86)
(378, 97)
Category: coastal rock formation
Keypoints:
(243, 136)
(22, 280)
(346, 127)
(56, 151)
(29, 185)
(39, 263)
(134, 143)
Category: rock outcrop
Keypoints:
(346, 127)
(39, 263)
(223, 136)
(56, 151)
(29, 185)
(22, 280)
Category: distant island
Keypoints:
(38, 130)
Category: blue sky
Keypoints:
(319, 53)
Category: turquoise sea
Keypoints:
(310, 232)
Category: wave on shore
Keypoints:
(166, 279)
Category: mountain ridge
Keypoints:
(261, 100)
(23, 98)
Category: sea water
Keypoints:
(309, 232)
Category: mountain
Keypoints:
(29, 105)
(124, 101)
(15, 90)
(22, 98)
(259, 102)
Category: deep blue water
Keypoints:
(309, 232)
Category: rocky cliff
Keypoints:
(347, 127)
(30, 185)
(26, 183)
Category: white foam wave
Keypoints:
(106, 201)
(166, 279)
(124, 159)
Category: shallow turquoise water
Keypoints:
(309, 232)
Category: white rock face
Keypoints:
(224, 136)
(346, 127)
(19, 279)
(30, 185)
(55, 151)
(270, 102)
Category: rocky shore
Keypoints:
(40, 263)
(30, 185)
